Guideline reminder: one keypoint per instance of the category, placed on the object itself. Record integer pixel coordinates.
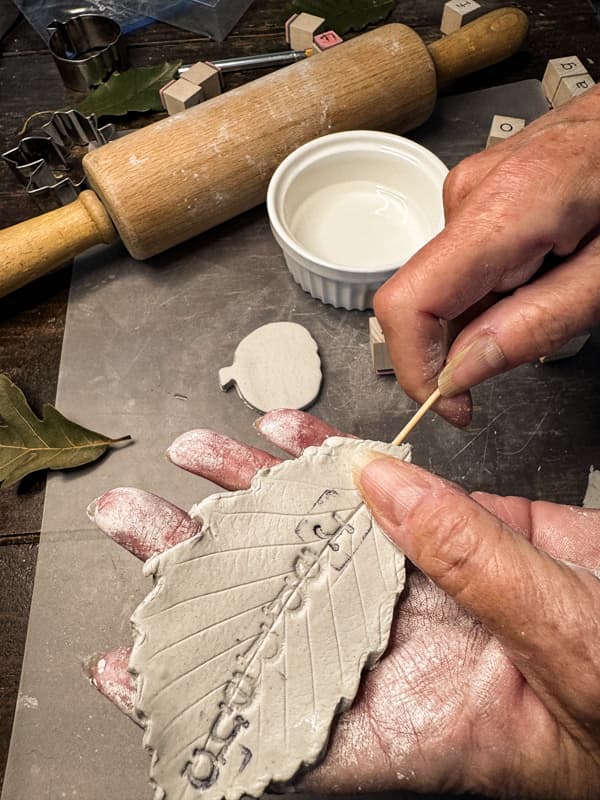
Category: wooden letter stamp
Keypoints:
(206, 76)
(502, 128)
(571, 87)
(323, 41)
(301, 29)
(379, 354)
(556, 70)
(457, 13)
(179, 95)
(162, 91)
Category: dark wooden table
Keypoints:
(32, 320)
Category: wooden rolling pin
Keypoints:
(184, 174)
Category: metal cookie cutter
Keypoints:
(86, 50)
(43, 163)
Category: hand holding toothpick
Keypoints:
(475, 683)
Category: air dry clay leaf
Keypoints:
(28, 443)
(135, 89)
(257, 630)
(353, 15)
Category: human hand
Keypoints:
(496, 695)
(514, 712)
(506, 209)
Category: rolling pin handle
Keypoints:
(37, 246)
(487, 40)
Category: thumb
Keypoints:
(491, 570)
(464, 549)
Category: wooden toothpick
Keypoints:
(431, 400)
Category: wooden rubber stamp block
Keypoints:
(288, 22)
(592, 492)
(179, 95)
(571, 87)
(258, 628)
(502, 128)
(301, 29)
(161, 93)
(379, 353)
(556, 70)
(323, 41)
(206, 76)
(457, 13)
(568, 350)
(275, 366)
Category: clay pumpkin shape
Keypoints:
(275, 366)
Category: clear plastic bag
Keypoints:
(215, 18)
(41, 13)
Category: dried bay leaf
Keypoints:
(28, 444)
(257, 630)
(353, 15)
(135, 89)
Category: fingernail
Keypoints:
(391, 488)
(285, 429)
(476, 362)
(141, 522)
(361, 459)
(109, 674)
(91, 510)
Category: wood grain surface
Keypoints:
(32, 319)
(161, 188)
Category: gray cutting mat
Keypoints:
(142, 349)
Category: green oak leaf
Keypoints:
(135, 89)
(353, 15)
(28, 443)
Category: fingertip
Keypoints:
(183, 451)
(105, 666)
(284, 429)
(142, 522)
(360, 461)
(108, 510)
(457, 410)
(293, 431)
(109, 674)
(218, 458)
(92, 508)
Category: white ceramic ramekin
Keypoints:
(349, 208)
